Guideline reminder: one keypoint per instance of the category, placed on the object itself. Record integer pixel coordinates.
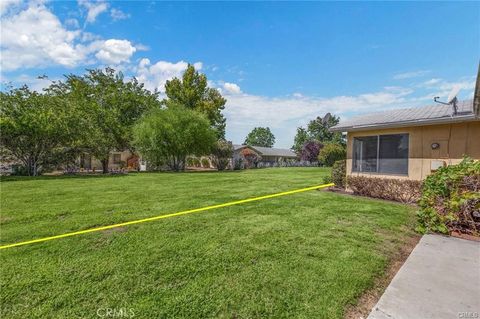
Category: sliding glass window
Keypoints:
(386, 154)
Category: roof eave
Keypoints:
(443, 120)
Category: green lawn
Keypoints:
(307, 255)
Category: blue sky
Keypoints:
(278, 64)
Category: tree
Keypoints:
(300, 139)
(109, 107)
(331, 153)
(222, 153)
(192, 92)
(260, 136)
(170, 135)
(310, 151)
(35, 127)
(318, 129)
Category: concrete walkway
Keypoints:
(440, 279)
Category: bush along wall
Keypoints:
(338, 175)
(400, 190)
(450, 200)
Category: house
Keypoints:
(412, 143)
(117, 160)
(268, 154)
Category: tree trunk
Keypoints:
(104, 165)
(31, 167)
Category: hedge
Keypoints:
(400, 190)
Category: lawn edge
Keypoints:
(369, 298)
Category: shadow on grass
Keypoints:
(54, 177)
(99, 175)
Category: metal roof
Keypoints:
(427, 115)
(268, 151)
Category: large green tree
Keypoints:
(36, 128)
(319, 129)
(260, 136)
(109, 107)
(192, 92)
(300, 139)
(170, 135)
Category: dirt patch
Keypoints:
(370, 297)
(114, 230)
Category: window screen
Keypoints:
(393, 154)
(381, 154)
(365, 154)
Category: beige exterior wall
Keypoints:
(455, 141)
(124, 156)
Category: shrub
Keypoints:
(331, 153)
(310, 151)
(451, 200)
(205, 163)
(222, 153)
(196, 162)
(190, 162)
(339, 173)
(401, 190)
(238, 164)
(327, 179)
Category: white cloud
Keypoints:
(442, 88)
(118, 14)
(431, 82)
(35, 37)
(115, 51)
(411, 74)
(154, 76)
(284, 114)
(5, 5)
(231, 88)
(142, 47)
(94, 9)
(72, 23)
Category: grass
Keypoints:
(305, 255)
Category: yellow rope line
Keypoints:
(138, 221)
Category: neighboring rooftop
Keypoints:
(427, 115)
(268, 151)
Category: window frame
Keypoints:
(120, 158)
(376, 172)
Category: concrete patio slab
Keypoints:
(440, 279)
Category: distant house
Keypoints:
(117, 160)
(268, 154)
(412, 143)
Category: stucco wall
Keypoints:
(455, 141)
(125, 155)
